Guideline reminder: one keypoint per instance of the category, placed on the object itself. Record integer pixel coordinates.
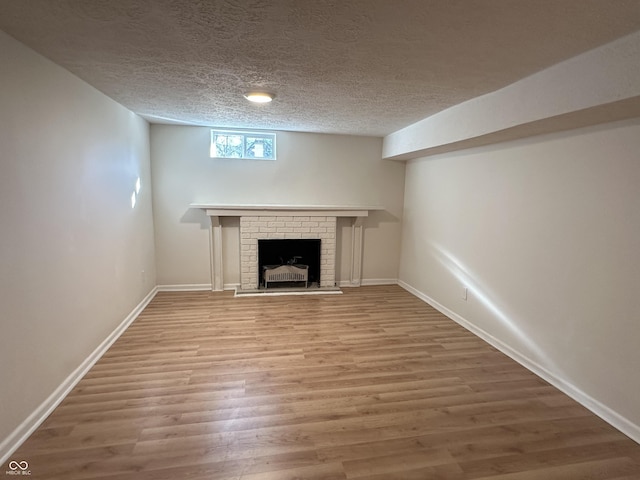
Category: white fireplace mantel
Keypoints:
(215, 211)
(277, 210)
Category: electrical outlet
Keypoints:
(465, 291)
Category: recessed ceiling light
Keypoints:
(259, 97)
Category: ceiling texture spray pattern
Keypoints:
(366, 67)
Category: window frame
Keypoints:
(244, 134)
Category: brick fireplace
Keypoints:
(254, 228)
(259, 222)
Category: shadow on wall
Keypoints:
(376, 217)
(196, 215)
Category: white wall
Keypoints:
(72, 250)
(545, 232)
(311, 169)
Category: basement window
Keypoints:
(243, 145)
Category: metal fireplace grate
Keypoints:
(285, 273)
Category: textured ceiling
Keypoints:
(365, 67)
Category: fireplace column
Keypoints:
(215, 245)
(357, 239)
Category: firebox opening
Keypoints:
(289, 263)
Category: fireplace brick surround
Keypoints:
(258, 222)
(254, 228)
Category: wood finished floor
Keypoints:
(373, 384)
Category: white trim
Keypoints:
(285, 210)
(194, 287)
(187, 287)
(16, 438)
(285, 213)
(379, 281)
(215, 243)
(357, 239)
(610, 416)
(369, 282)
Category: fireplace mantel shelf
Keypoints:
(221, 210)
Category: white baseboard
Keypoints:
(187, 287)
(39, 415)
(370, 282)
(194, 287)
(607, 414)
(379, 281)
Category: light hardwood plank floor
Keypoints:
(371, 384)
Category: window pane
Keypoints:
(259, 147)
(227, 144)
